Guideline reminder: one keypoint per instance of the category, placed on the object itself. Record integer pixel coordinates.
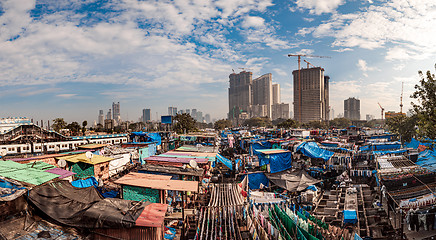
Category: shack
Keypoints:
(96, 166)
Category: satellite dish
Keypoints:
(56, 149)
(62, 163)
(184, 166)
(193, 164)
(89, 155)
(3, 152)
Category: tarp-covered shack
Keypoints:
(85, 208)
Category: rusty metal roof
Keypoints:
(157, 182)
(152, 216)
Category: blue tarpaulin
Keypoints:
(255, 179)
(350, 216)
(277, 162)
(227, 162)
(381, 146)
(84, 183)
(152, 137)
(312, 150)
(427, 159)
(415, 143)
(13, 188)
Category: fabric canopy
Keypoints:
(84, 207)
(292, 180)
(278, 162)
(427, 159)
(312, 150)
(255, 180)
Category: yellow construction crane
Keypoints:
(382, 111)
(401, 98)
(299, 77)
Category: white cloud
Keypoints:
(280, 72)
(253, 22)
(319, 6)
(364, 66)
(66, 95)
(407, 25)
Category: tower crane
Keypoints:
(382, 111)
(401, 98)
(299, 78)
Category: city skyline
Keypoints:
(68, 59)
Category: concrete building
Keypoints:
(311, 95)
(280, 110)
(239, 93)
(276, 93)
(369, 117)
(188, 111)
(172, 111)
(262, 94)
(207, 118)
(146, 115)
(194, 113)
(116, 112)
(101, 117)
(259, 111)
(109, 114)
(352, 108)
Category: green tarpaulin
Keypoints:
(24, 173)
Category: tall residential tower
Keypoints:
(311, 95)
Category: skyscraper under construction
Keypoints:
(311, 94)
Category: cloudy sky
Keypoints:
(72, 58)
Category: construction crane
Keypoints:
(382, 111)
(310, 64)
(299, 78)
(401, 98)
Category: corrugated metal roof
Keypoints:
(157, 182)
(152, 216)
(40, 165)
(61, 172)
(176, 159)
(96, 159)
(24, 173)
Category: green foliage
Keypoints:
(288, 123)
(425, 108)
(58, 124)
(74, 128)
(402, 126)
(340, 123)
(258, 122)
(315, 125)
(84, 123)
(184, 122)
(222, 124)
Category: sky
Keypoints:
(70, 59)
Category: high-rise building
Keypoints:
(172, 111)
(207, 118)
(262, 94)
(109, 114)
(146, 115)
(369, 117)
(194, 113)
(311, 94)
(188, 111)
(280, 110)
(101, 117)
(199, 116)
(116, 111)
(239, 93)
(352, 108)
(276, 93)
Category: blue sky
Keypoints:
(72, 58)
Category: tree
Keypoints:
(184, 123)
(84, 123)
(340, 123)
(58, 124)
(289, 123)
(258, 122)
(402, 126)
(74, 128)
(425, 108)
(316, 125)
(222, 124)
